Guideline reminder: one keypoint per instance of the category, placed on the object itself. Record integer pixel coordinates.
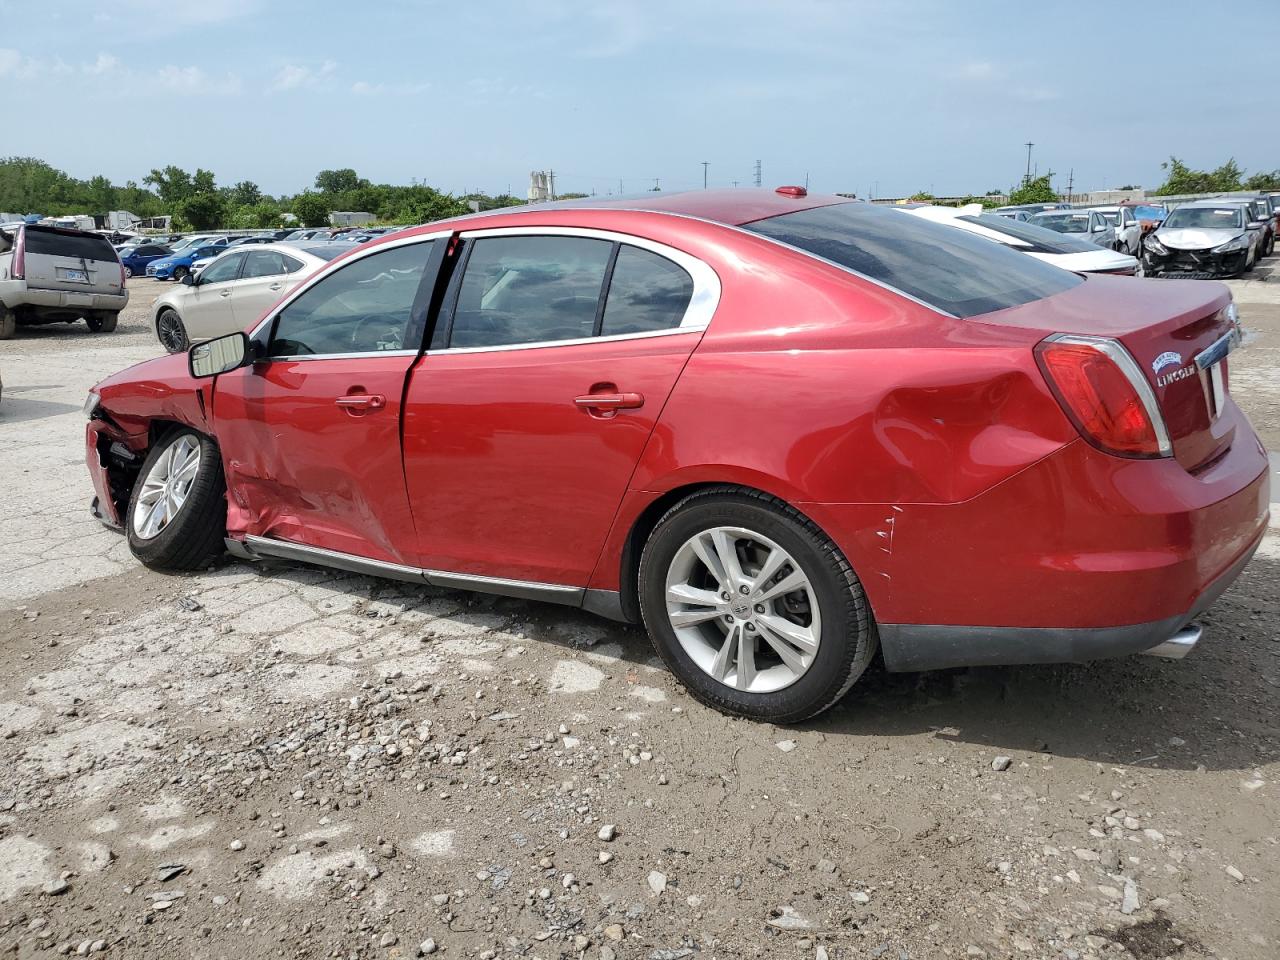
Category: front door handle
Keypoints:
(275, 286)
(225, 293)
(608, 404)
(361, 401)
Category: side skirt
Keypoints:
(255, 548)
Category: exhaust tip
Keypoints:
(1179, 645)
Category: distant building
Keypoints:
(347, 218)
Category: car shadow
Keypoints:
(1212, 710)
(19, 409)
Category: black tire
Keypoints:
(102, 322)
(128, 273)
(8, 324)
(195, 535)
(179, 273)
(171, 331)
(848, 640)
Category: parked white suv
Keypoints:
(54, 275)
(1128, 229)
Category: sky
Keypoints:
(865, 96)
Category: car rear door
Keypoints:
(206, 309)
(310, 435)
(550, 364)
(81, 264)
(261, 284)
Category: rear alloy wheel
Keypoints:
(753, 607)
(102, 322)
(177, 516)
(171, 332)
(127, 273)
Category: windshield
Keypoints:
(951, 270)
(1063, 223)
(1113, 216)
(1150, 212)
(1038, 239)
(1206, 218)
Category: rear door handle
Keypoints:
(275, 286)
(362, 401)
(225, 293)
(610, 403)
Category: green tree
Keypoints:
(339, 181)
(172, 183)
(203, 181)
(1264, 180)
(1036, 190)
(245, 194)
(921, 196)
(204, 211)
(1182, 179)
(312, 209)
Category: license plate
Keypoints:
(75, 275)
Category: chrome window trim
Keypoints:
(333, 266)
(1133, 373)
(697, 315)
(283, 358)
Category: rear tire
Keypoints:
(8, 324)
(782, 683)
(186, 530)
(102, 322)
(171, 331)
(179, 273)
(128, 273)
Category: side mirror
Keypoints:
(188, 280)
(217, 356)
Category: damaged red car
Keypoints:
(781, 431)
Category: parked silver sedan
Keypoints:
(233, 290)
(1087, 224)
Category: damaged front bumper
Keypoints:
(1194, 264)
(113, 467)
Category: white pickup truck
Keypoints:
(54, 275)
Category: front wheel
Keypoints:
(177, 516)
(753, 607)
(179, 273)
(128, 273)
(171, 331)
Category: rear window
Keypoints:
(78, 245)
(951, 270)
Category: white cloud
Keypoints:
(1036, 94)
(365, 89)
(294, 76)
(194, 80)
(14, 64)
(105, 63)
(977, 70)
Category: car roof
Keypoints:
(1220, 201)
(734, 207)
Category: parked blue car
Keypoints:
(178, 265)
(136, 259)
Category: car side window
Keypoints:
(646, 292)
(364, 307)
(263, 263)
(225, 269)
(530, 289)
(290, 264)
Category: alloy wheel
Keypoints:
(166, 487)
(743, 609)
(170, 332)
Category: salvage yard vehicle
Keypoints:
(136, 258)
(1202, 240)
(178, 264)
(233, 291)
(779, 430)
(1060, 249)
(56, 275)
(1149, 213)
(1127, 229)
(1025, 211)
(1087, 224)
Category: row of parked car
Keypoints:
(1218, 237)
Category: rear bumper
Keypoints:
(910, 647)
(16, 293)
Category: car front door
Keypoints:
(206, 308)
(261, 284)
(310, 435)
(550, 363)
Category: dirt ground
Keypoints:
(277, 761)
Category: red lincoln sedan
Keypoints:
(779, 430)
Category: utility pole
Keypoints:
(656, 188)
(1071, 180)
(705, 164)
(735, 184)
(757, 173)
(806, 181)
(551, 183)
(1027, 177)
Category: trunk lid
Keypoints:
(69, 260)
(1166, 325)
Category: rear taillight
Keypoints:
(122, 276)
(1102, 389)
(18, 269)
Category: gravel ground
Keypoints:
(276, 761)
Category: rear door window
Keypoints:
(263, 263)
(520, 290)
(951, 270)
(55, 244)
(647, 292)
